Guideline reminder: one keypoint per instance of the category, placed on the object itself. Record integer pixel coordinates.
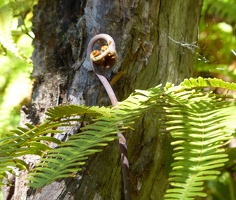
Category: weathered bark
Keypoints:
(155, 42)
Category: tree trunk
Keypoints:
(155, 42)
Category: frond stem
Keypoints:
(105, 59)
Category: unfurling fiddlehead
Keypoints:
(105, 58)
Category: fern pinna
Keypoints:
(199, 121)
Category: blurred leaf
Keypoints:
(6, 17)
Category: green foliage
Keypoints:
(8, 10)
(200, 122)
(67, 159)
(24, 141)
(6, 17)
(224, 8)
(216, 58)
(217, 39)
(198, 125)
(15, 40)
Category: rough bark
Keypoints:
(155, 42)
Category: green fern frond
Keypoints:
(74, 110)
(34, 139)
(70, 155)
(6, 17)
(198, 123)
(24, 141)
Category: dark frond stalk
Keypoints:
(105, 58)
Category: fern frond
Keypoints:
(24, 141)
(34, 139)
(70, 155)
(6, 17)
(198, 123)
